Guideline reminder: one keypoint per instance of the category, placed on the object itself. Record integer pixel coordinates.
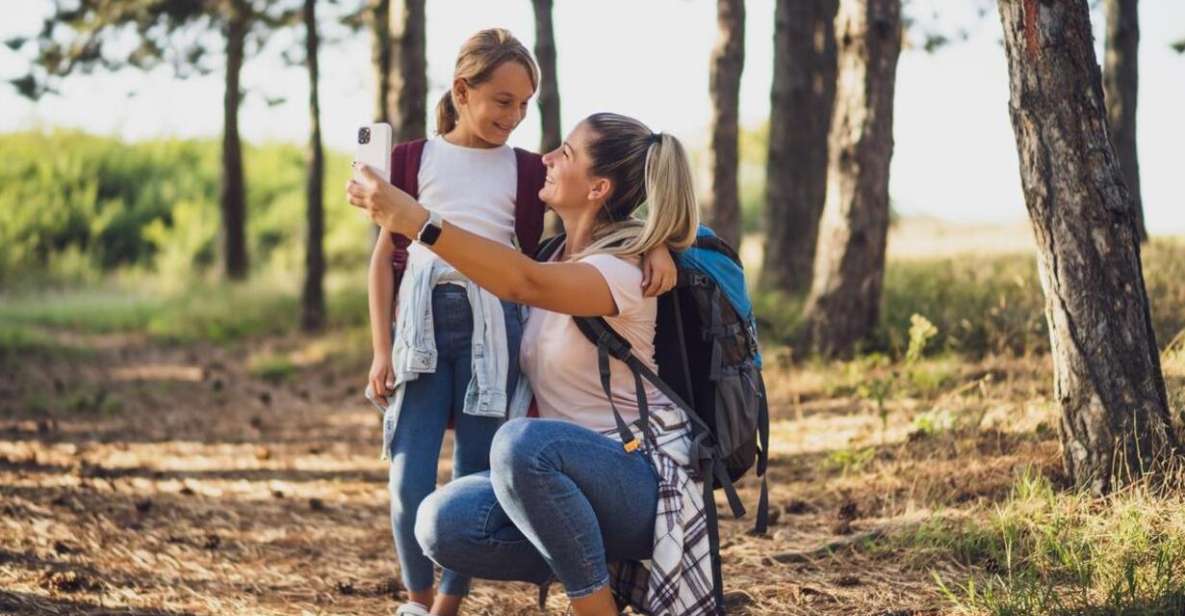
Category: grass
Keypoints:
(218, 313)
(274, 369)
(980, 306)
(848, 461)
(16, 341)
(977, 307)
(1045, 551)
(94, 400)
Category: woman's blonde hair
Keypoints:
(642, 168)
(479, 57)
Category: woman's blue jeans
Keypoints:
(559, 500)
(428, 403)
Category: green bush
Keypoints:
(77, 206)
(215, 312)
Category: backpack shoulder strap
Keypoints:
(549, 247)
(711, 242)
(528, 208)
(710, 466)
(405, 175)
(609, 343)
(409, 170)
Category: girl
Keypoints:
(451, 358)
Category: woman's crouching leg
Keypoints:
(462, 528)
(581, 499)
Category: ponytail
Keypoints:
(673, 216)
(446, 113)
(643, 168)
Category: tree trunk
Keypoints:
(722, 208)
(844, 300)
(312, 314)
(1121, 79)
(380, 55)
(549, 91)
(380, 59)
(407, 99)
(1107, 379)
(232, 191)
(801, 102)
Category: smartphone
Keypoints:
(380, 404)
(374, 149)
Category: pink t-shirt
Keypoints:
(561, 363)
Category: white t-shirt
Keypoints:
(561, 363)
(472, 188)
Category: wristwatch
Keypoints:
(431, 229)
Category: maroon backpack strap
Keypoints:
(528, 208)
(405, 175)
(411, 167)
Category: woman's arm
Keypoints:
(577, 289)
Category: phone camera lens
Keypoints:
(364, 135)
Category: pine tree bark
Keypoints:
(407, 104)
(380, 55)
(1107, 379)
(1121, 85)
(549, 90)
(722, 208)
(844, 301)
(232, 190)
(801, 101)
(312, 315)
(380, 60)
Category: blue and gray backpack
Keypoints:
(709, 364)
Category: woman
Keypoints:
(565, 497)
(427, 374)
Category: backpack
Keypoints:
(709, 364)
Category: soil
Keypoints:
(143, 478)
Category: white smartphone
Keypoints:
(381, 405)
(374, 149)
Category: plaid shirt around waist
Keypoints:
(677, 579)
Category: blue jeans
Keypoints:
(428, 403)
(559, 499)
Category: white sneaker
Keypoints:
(411, 608)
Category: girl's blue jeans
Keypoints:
(428, 403)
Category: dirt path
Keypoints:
(142, 479)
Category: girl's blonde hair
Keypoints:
(643, 168)
(479, 57)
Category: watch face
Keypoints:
(430, 233)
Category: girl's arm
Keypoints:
(659, 273)
(381, 293)
(380, 287)
(577, 289)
